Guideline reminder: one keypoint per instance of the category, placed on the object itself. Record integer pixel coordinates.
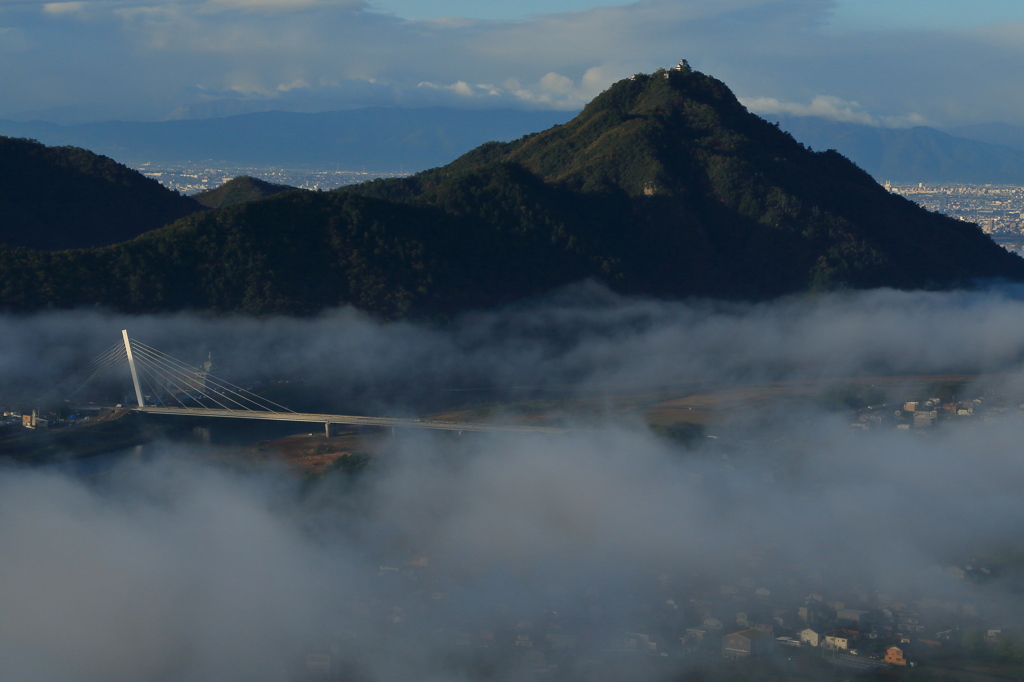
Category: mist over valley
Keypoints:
(516, 557)
(776, 416)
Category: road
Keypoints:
(350, 420)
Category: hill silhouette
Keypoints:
(664, 185)
(65, 197)
(238, 191)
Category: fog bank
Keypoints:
(436, 561)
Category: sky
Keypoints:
(936, 62)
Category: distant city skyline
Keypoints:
(931, 62)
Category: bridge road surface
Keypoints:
(349, 420)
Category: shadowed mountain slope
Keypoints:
(238, 191)
(65, 197)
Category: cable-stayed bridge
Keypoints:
(165, 385)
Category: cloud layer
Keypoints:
(174, 566)
(583, 336)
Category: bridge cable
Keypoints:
(243, 395)
(184, 378)
(151, 369)
(95, 368)
(179, 377)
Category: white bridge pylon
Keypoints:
(181, 389)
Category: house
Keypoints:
(809, 636)
(956, 573)
(535, 660)
(852, 615)
(693, 636)
(318, 663)
(560, 641)
(637, 641)
(746, 643)
(894, 656)
(812, 613)
(836, 642)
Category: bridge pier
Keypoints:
(331, 430)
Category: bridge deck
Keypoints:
(350, 420)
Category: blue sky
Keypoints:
(892, 63)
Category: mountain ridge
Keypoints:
(664, 185)
(65, 197)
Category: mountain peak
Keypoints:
(641, 135)
(238, 191)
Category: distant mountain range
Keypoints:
(392, 139)
(664, 185)
(973, 155)
(376, 139)
(1002, 134)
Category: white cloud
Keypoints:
(556, 83)
(59, 8)
(552, 90)
(297, 84)
(832, 108)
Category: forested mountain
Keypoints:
(238, 191)
(664, 185)
(65, 197)
(706, 198)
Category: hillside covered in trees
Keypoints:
(238, 191)
(664, 185)
(66, 197)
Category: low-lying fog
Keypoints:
(449, 550)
